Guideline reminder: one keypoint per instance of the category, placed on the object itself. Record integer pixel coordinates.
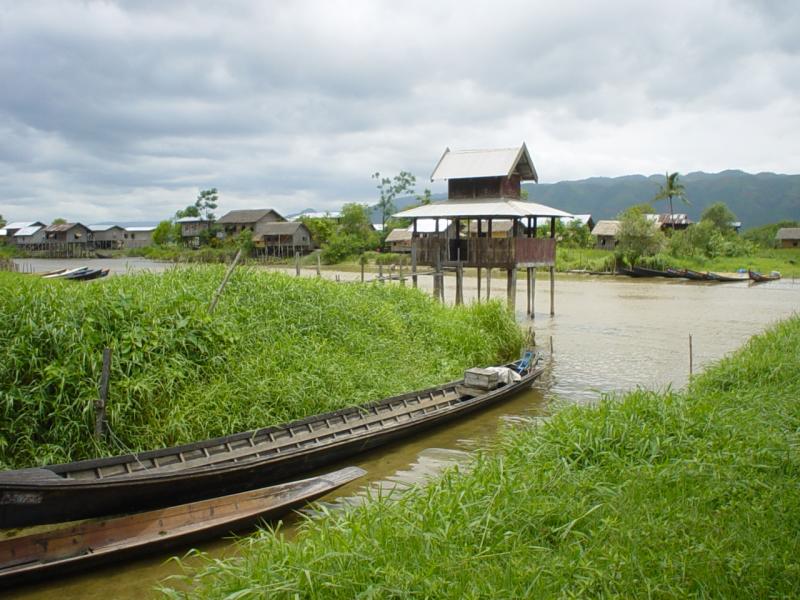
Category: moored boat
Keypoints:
(240, 461)
(65, 273)
(725, 278)
(696, 275)
(761, 278)
(89, 543)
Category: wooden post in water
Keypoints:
(319, 265)
(479, 284)
(511, 289)
(100, 404)
(488, 283)
(225, 279)
(552, 291)
(528, 289)
(691, 358)
(380, 272)
(297, 264)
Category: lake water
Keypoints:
(609, 334)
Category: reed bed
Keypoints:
(275, 349)
(658, 495)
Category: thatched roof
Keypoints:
(236, 217)
(788, 233)
(608, 227)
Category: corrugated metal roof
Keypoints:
(247, 216)
(141, 228)
(64, 227)
(28, 230)
(495, 208)
(788, 233)
(606, 228)
(103, 227)
(581, 218)
(21, 224)
(282, 228)
(500, 162)
(191, 220)
(498, 225)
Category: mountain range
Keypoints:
(755, 199)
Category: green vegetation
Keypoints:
(276, 348)
(764, 236)
(666, 495)
(352, 236)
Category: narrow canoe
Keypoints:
(65, 273)
(233, 463)
(761, 278)
(89, 543)
(725, 278)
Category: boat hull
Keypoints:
(92, 488)
(92, 543)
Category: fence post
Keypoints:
(100, 404)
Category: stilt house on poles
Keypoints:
(483, 194)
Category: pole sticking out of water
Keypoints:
(551, 345)
(691, 358)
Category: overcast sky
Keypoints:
(125, 110)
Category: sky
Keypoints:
(124, 110)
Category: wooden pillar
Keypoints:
(459, 285)
(297, 264)
(479, 284)
(437, 267)
(414, 263)
(533, 292)
(528, 290)
(552, 290)
(511, 291)
(488, 282)
(319, 265)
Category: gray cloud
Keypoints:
(126, 109)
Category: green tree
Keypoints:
(59, 221)
(389, 189)
(189, 211)
(321, 228)
(638, 237)
(206, 202)
(2, 221)
(672, 188)
(162, 233)
(353, 235)
(720, 216)
(425, 198)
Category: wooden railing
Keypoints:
(486, 252)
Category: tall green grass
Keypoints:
(276, 348)
(658, 495)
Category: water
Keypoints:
(609, 335)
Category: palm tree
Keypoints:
(672, 188)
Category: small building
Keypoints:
(8, 231)
(667, 221)
(788, 237)
(138, 237)
(236, 221)
(606, 232)
(192, 228)
(29, 236)
(67, 233)
(284, 238)
(399, 240)
(107, 237)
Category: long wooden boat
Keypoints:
(236, 462)
(725, 278)
(89, 543)
(645, 272)
(761, 278)
(696, 275)
(65, 273)
(87, 275)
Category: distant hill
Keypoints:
(755, 199)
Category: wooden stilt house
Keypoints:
(484, 187)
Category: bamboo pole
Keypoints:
(691, 358)
(100, 403)
(297, 264)
(552, 291)
(459, 285)
(413, 264)
(222, 285)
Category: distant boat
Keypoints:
(87, 275)
(645, 272)
(65, 272)
(89, 543)
(760, 278)
(696, 275)
(725, 278)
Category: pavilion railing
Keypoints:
(486, 252)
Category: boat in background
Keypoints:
(761, 278)
(87, 275)
(242, 461)
(89, 543)
(696, 275)
(65, 273)
(725, 278)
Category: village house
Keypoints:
(399, 239)
(27, 237)
(485, 186)
(788, 237)
(676, 221)
(8, 231)
(67, 233)
(255, 220)
(107, 237)
(139, 236)
(284, 238)
(606, 232)
(192, 228)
